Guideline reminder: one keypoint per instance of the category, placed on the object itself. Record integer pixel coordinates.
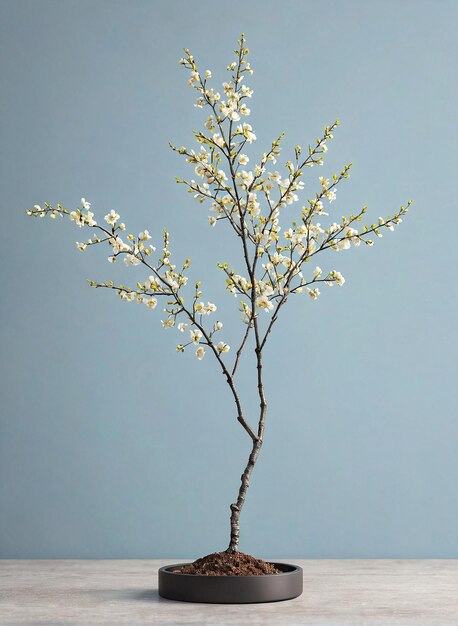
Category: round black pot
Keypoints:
(231, 589)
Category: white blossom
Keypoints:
(200, 353)
(151, 303)
(119, 245)
(252, 205)
(263, 302)
(243, 159)
(81, 246)
(288, 234)
(195, 335)
(129, 296)
(222, 347)
(343, 244)
(194, 77)
(247, 131)
(318, 207)
(335, 277)
(275, 177)
(85, 204)
(144, 235)
(247, 177)
(82, 219)
(89, 219)
(182, 327)
(229, 110)
(228, 89)
(111, 218)
(324, 182)
(241, 282)
(205, 309)
(131, 259)
(313, 293)
(353, 235)
(210, 123)
(218, 140)
(277, 258)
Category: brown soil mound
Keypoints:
(228, 564)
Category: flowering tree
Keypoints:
(251, 202)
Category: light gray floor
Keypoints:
(388, 592)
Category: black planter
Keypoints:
(231, 589)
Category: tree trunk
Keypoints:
(236, 507)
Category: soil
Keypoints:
(228, 564)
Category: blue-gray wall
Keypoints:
(114, 446)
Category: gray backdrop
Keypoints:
(111, 444)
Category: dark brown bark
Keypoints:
(236, 507)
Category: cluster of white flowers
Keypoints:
(335, 277)
(238, 284)
(204, 309)
(83, 219)
(327, 192)
(230, 108)
(251, 201)
(317, 207)
(165, 281)
(197, 338)
(303, 238)
(133, 296)
(246, 130)
(351, 237)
